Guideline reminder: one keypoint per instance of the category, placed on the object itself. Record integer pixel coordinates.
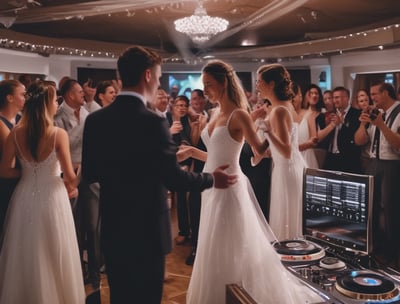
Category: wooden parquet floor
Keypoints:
(177, 282)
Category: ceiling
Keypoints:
(258, 29)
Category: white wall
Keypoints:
(345, 66)
(339, 68)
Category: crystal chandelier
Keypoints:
(200, 27)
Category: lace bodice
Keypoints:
(44, 170)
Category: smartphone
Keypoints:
(91, 83)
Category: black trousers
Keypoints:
(182, 210)
(195, 209)
(343, 162)
(386, 207)
(133, 278)
(87, 223)
(7, 187)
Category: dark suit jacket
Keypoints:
(128, 149)
(346, 133)
(349, 159)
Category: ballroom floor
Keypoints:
(175, 285)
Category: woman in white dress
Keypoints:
(308, 133)
(285, 217)
(39, 260)
(234, 243)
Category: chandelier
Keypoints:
(200, 27)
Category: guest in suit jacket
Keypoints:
(178, 120)
(128, 149)
(344, 154)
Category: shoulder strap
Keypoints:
(6, 122)
(17, 145)
(392, 116)
(55, 135)
(230, 116)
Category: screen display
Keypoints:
(185, 83)
(337, 208)
(182, 83)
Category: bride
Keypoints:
(234, 243)
(39, 260)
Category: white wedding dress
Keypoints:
(234, 243)
(285, 215)
(39, 259)
(304, 135)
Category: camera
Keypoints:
(373, 113)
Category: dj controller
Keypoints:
(339, 276)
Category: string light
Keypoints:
(44, 49)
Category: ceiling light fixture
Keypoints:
(200, 27)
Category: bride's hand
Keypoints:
(73, 193)
(264, 125)
(184, 152)
(255, 160)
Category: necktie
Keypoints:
(76, 113)
(377, 139)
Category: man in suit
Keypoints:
(343, 154)
(128, 149)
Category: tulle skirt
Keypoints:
(39, 258)
(234, 246)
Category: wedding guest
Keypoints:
(12, 100)
(178, 120)
(105, 93)
(343, 154)
(198, 118)
(383, 134)
(307, 129)
(71, 116)
(365, 104)
(285, 217)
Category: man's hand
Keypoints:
(223, 180)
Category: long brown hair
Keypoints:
(221, 72)
(36, 117)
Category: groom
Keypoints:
(128, 149)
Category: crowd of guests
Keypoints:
(331, 133)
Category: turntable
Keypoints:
(367, 285)
(299, 250)
(334, 256)
(332, 263)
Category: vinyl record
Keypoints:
(332, 263)
(296, 247)
(366, 286)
